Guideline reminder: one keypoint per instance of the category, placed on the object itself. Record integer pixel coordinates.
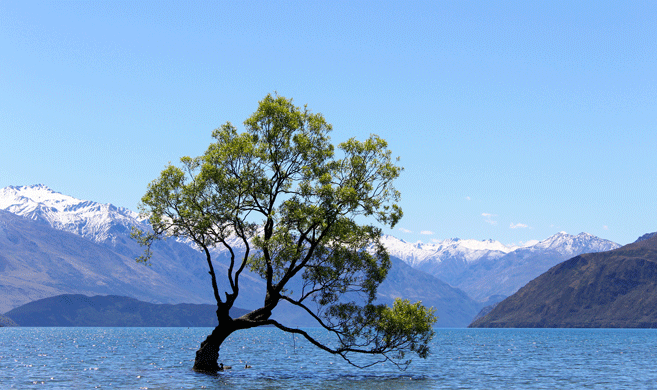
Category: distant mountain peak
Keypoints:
(570, 245)
(88, 219)
(419, 252)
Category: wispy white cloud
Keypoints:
(518, 225)
(426, 232)
(467, 198)
(488, 218)
(405, 230)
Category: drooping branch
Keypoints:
(343, 351)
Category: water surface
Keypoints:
(161, 358)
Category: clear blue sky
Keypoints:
(513, 120)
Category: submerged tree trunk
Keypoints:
(207, 355)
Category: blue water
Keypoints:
(161, 358)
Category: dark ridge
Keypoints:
(646, 236)
(112, 310)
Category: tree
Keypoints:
(281, 189)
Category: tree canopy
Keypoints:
(295, 203)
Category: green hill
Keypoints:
(112, 310)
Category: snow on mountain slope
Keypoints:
(481, 268)
(102, 222)
(484, 269)
(570, 246)
(98, 222)
(420, 253)
(102, 261)
(95, 221)
(496, 273)
(173, 264)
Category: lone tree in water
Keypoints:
(281, 189)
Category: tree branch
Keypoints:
(342, 352)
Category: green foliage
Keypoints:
(406, 319)
(292, 198)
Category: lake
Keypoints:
(161, 358)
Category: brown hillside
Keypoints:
(614, 289)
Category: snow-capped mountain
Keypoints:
(178, 272)
(488, 268)
(38, 261)
(480, 268)
(101, 222)
(66, 245)
(570, 246)
(95, 221)
(419, 253)
(424, 255)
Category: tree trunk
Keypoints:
(208, 353)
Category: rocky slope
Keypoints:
(617, 288)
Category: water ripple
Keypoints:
(160, 358)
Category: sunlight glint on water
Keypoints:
(161, 358)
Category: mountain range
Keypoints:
(37, 261)
(489, 269)
(53, 244)
(613, 289)
(100, 223)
